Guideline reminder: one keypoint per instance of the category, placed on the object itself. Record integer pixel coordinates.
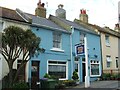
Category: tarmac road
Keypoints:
(99, 85)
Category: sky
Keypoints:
(100, 12)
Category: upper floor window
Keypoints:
(82, 35)
(107, 40)
(21, 75)
(108, 61)
(56, 40)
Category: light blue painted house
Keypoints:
(56, 42)
(59, 37)
(77, 37)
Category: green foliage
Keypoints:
(17, 42)
(47, 76)
(75, 76)
(20, 86)
(69, 82)
(51, 76)
(108, 76)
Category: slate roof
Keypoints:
(45, 22)
(10, 14)
(75, 25)
(100, 29)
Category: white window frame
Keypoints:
(55, 48)
(107, 40)
(108, 59)
(95, 64)
(82, 35)
(57, 33)
(60, 65)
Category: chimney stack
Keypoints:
(117, 27)
(83, 16)
(60, 12)
(40, 10)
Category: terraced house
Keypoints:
(77, 37)
(110, 45)
(59, 38)
(8, 18)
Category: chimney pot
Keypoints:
(40, 10)
(117, 25)
(83, 16)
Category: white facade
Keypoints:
(3, 64)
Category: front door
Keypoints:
(35, 74)
(83, 71)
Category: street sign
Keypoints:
(79, 49)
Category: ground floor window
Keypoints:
(21, 75)
(58, 69)
(108, 59)
(116, 62)
(95, 68)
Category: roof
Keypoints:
(70, 23)
(10, 14)
(40, 21)
(19, 15)
(100, 29)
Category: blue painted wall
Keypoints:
(47, 43)
(94, 48)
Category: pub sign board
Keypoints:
(79, 50)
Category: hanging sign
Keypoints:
(79, 49)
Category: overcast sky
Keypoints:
(100, 12)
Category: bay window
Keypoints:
(94, 68)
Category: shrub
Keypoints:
(20, 86)
(69, 82)
(47, 76)
(75, 76)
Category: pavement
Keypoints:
(98, 85)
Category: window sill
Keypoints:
(57, 50)
(63, 79)
(95, 75)
(107, 45)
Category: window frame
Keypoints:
(107, 40)
(117, 62)
(82, 36)
(23, 68)
(108, 61)
(59, 65)
(97, 62)
(57, 39)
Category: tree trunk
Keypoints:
(10, 74)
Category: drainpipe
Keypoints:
(72, 29)
(101, 54)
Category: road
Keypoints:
(99, 85)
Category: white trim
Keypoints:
(57, 50)
(60, 65)
(21, 15)
(95, 64)
(108, 58)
